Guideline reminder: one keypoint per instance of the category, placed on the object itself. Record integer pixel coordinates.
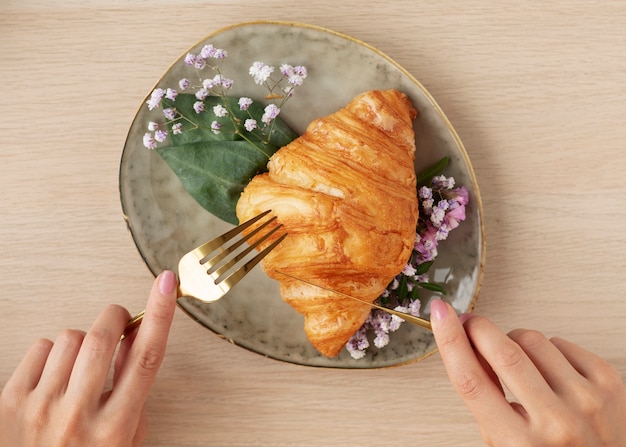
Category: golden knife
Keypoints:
(421, 322)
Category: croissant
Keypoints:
(345, 191)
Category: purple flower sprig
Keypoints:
(205, 86)
(441, 210)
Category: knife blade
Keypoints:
(418, 321)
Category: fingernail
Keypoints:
(438, 310)
(167, 282)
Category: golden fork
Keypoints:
(208, 279)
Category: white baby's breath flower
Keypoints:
(149, 141)
(271, 112)
(250, 124)
(220, 111)
(260, 72)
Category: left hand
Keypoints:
(56, 395)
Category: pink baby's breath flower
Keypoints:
(171, 94)
(357, 344)
(250, 124)
(220, 54)
(152, 126)
(244, 103)
(177, 128)
(215, 127)
(223, 81)
(425, 192)
(461, 195)
(155, 98)
(190, 59)
(198, 106)
(184, 84)
(286, 70)
(295, 75)
(207, 51)
(455, 216)
(381, 340)
(415, 307)
(270, 113)
(202, 94)
(437, 216)
(169, 113)
(160, 135)
(199, 63)
(443, 182)
(426, 245)
(408, 270)
(149, 141)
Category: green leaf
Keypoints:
(423, 268)
(215, 172)
(403, 289)
(414, 294)
(215, 168)
(427, 174)
(434, 287)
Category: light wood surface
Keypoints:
(536, 91)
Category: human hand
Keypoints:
(566, 396)
(56, 395)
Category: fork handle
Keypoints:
(133, 324)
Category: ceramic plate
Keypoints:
(166, 222)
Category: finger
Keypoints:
(549, 360)
(587, 364)
(475, 385)
(28, 372)
(58, 369)
(142, 428)
(486, 366)
(96, 354)
(122, 355)
(148, 349)
(511, 364)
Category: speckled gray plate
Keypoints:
(166, 222)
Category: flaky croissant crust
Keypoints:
(345, 191)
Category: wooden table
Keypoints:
(536, 91)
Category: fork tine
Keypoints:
(230, 281)
(193, 272)
(231, 248)
(217, 272)
(208, 247)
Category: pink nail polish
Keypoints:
(438, 309)
(167, 282)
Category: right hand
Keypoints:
(565, 396)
